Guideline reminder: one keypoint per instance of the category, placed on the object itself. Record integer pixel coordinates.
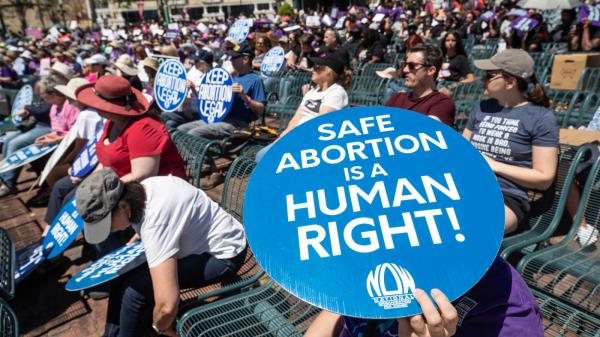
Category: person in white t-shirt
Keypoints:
(328, 94)
(188, 240)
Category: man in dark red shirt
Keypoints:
(420, 69)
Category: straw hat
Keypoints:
(63, 70)
(151, 63)
(113, 94)
(125, 64)
(71, 87)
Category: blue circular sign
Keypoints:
(109, 267)
(239, 30)
(24, 97)
(170, 85)
(353, 210)
(273, 61)
(215, 96)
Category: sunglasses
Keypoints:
(412, 66)
(490, 76)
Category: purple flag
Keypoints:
(590, 13)
(523, 24)
(487, 16)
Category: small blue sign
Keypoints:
(170, 85)
(367, 204)
(63, 230)
(108, 267)
(86, 161)
(24, 156)
(239, 30)
(273, 61)
(24, 97)
(28, 259)
(215, 96)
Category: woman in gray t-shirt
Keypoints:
(515, 132)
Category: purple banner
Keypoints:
(591, 14)
(487, 16)
(523, 24)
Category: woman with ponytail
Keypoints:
(515, 132)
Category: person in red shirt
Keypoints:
(420, 69)
(135, 145)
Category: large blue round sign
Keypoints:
(273, 61)
(215, 96)
(63, 230)
(170, 85)
(109, 267)
(354, 210)
(239, 30)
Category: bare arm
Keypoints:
(540, 176)
(142, 168)
(166, 294)
(468, 79)
(467, 134)
(327, 324)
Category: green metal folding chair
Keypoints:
(7, 266)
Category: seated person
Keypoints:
(248, 101)
(189, 241)
(523, 132)
(420, 69)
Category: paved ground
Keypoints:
(42, 305)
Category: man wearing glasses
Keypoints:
(420, 69)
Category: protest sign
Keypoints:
(24, 97)
(45, 65)
(109, 267)
(34, 32)
(487, 16)
(28, 259)
(523, 24)
(517, 12)
(162, 58)
(313, 21)
(239, 30)
(171, 33)
(63, 230)
(25, 156)
(86, 160)
(57, 155)
(273, 61)
(340, 23)
(215, 96)
(364, 205)
(170, 85)
(591, 14)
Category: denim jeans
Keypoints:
(17, 141)
(132, 299)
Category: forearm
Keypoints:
(164, 315)
(586, 43)
(527, 177)
(256, 107)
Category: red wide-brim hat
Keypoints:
(113, 94)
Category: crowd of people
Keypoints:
(98, 84)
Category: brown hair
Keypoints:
(135, 196)
(345, 79)
(536, 96)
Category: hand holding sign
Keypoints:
(215, 97)
(379, 195)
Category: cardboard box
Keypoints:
(567, 69)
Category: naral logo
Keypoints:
(397, 292)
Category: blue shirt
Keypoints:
(255, 89)
(508, 134)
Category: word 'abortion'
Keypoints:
(353, 198)
(360, 150)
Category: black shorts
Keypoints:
(519, 206)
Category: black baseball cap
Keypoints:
(331, 60)
(203, 55)
(243, 49)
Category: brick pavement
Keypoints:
(42, 305)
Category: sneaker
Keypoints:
(587, 235)
(6, 190)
